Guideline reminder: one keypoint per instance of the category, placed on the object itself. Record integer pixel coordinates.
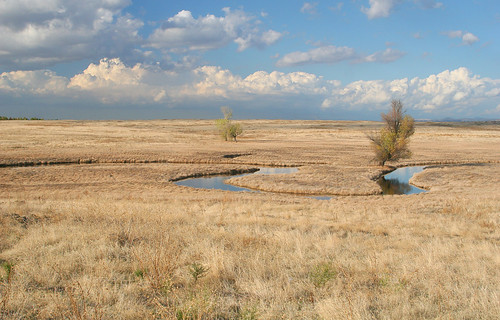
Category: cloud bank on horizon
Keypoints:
(143, 59)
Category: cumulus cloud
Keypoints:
(217, 81)
(466, 37)
(183, 32)
(38, 33)
(39, 82)
(447, 90)
(111, 82)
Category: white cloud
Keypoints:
(40, 82)
(379, 8)
(467, 37)
(111, 82)
(337, 7)
(454, 87)
(384, 8)
(332, 54)
(447, 90)
(309, 7)
(39, 33)
(363, 92)
(386, 56)
(324, 54)
(454, 34)
(183, 32)
(429, 4)
(215, 81)
(259, 40)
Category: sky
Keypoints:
(279, 59)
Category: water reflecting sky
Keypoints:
(218, 182)
(397, 182)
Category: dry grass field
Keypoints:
(93, 227)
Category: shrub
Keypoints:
(227, 129)
(197, 271)
(321, 274)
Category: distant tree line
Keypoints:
(19, 118)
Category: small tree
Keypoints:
(391, 143)
(227, 129)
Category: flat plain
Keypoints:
(92, 225)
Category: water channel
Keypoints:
(218, 182)
(396, 182)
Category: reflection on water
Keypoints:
(216, 182)
(397, 182)
(219, 182)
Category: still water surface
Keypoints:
(396, 182)
(219, 182)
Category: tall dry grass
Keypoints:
(115, 259)
(119, 241)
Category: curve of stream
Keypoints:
(219, 182)
(395, 182)
(398, 181)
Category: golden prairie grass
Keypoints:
(121, 241)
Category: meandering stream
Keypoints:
(218, 182)
(396, 182)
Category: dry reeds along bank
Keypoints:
(120, 241)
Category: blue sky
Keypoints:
(129, 59)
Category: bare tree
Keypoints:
(392, 142)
